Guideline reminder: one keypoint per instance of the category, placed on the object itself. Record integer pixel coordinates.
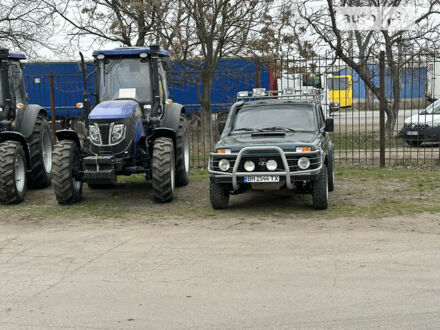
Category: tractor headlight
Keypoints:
(95, 136)
(118, 133)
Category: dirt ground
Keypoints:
(118, 261)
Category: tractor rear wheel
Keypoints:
(163, 170)
(67, 166)
(12, 172)
(40, 147)
(182, 153)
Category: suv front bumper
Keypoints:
(236, 177)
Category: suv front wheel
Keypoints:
(320, 190)
(219, 196)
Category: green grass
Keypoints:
(361, 192)
(356, 141)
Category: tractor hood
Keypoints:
(114, 109)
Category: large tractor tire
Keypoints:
(66, 167)
(320, 190)
(182, 153)
(40, 146)
(163, 170)
(12, 172)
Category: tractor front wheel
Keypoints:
(12, 172)
(67, 167)
(164, 171)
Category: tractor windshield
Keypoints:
(121, 78)
(16, 83)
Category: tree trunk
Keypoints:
(205, 111)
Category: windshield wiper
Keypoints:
(278, 128)
(246, 129)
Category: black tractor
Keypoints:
(25, 136)
(133, 127)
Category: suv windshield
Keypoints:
(276, 117)
(124, 78)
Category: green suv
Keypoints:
(274, 140)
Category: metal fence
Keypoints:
(360, 137)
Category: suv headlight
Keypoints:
(95, 135)
(118, 133)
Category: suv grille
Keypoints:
(260, 161)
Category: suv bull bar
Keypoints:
(287, 173)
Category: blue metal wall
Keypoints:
(413, 82)
(232, 75)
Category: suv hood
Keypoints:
(284, 140)
(430, 120)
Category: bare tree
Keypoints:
(202, 32)
(24, 25)
(323, 22)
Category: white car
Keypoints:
(423, 127)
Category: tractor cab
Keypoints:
(12, 87)
(25, 136)
(132, 128)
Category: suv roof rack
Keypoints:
(257, 94)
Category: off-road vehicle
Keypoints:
(274, 140)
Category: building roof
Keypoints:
(128, 51)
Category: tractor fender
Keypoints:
(68, 134)
(26, 118)
(164, 132)
(16, 136)
(171, 116)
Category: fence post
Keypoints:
(382, 108)
(257, 72)
(52, 105)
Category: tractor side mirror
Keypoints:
(166, 64)
(79, 67)
(329, 125)
(221, 127)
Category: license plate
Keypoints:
(261, 178)
(412, 133)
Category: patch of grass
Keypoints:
(356, 141)
(360, 192)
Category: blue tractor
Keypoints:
(25, 136)
(134, 127)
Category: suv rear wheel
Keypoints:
(219, 196)
(320, 190)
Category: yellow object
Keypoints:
(340, 89)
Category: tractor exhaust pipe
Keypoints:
(155, 109)
(5, 115)
(87, 102)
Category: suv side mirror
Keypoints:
(221, 127)
(329, 125)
